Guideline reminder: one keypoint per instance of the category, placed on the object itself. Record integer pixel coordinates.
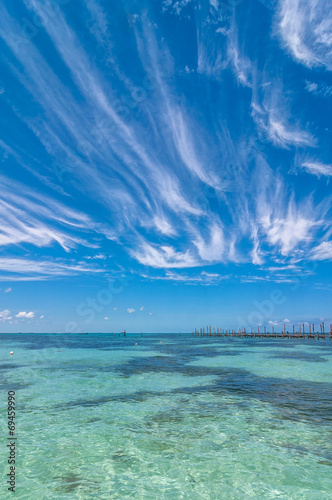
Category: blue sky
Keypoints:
(165, 164)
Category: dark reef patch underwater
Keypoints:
(99, 416)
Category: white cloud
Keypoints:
(322, 251)
(23, 314)
(99, 26)
(150, 314)
(175, 5)
(312, 87)
(42, 316)
(115, 308)
(270, 118)
(164, 257)
(164, 226)
(273, 279)
(214, 54)
(256, 254)
(209, 62)
(5, 315)
(285, 222)
(8, 290)
(33, 218)
(212, 250)
(286, 321)
(241, 65)
(289, 231)
(281, 134)
(319, 89)
(204, 278)
(188, 148)
(317, 168)
(25, 269)
(165, 167)
(130, 310)
(106, 317)
(158, 187)
(141, 308)
(306, 27)
(282, 268)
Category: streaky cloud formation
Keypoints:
(306, 27)
(19, 269)
(317, 168)
(165, 136)
(322, 251)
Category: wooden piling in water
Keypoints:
(242, 333)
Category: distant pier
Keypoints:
(296, 333)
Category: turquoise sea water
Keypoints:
(169, 418)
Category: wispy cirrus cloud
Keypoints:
(177, 167)
(266, 278)
(305, 27)
(212, 250)
(123, 143)
(176, 5)
(270, 116)
(241, 65)
(318, 89)
(22, 269)
(322, 251)
(289, 231)
(164, 257)
(317, 168)
(285, 223)
(203, 278)
(28, 216)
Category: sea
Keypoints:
(164, 416)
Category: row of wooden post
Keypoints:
(210, 331)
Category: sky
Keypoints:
(165, 165)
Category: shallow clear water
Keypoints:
(188, 418)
